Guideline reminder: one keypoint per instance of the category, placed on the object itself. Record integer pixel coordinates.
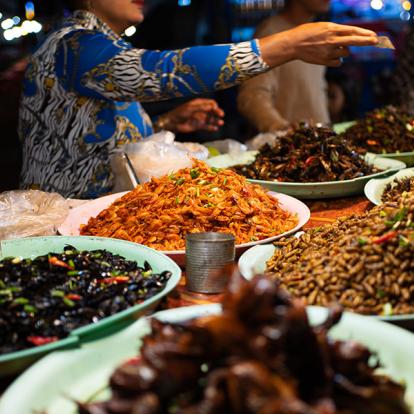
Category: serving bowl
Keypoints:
(406, 157)
(319, 190)
(15, 362)
(374, 189)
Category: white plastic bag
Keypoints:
(31, 213)
(159, 155)
(264, 138)
(226, 146)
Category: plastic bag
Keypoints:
(225, 146)
(264, 138)
(159, 155)
(31, 213)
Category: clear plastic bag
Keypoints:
(159, 155)
(31, 213)
(259, 140)
(225, 146)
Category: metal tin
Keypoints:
(207, 256)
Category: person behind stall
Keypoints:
(84, 84)
(293, 92)
(402, 81)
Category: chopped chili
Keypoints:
(54, 261)
(115, 279)
(386, 237)
(73, 296)
(42, 340)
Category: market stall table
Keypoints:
(322, 212)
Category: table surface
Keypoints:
(322, 212)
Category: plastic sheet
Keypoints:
(31, 213)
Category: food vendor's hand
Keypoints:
(317, 43)
(195, 115)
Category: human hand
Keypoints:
(318, 43)
(198, 114)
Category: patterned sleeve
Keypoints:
(94, 65)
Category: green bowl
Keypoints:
(333, 189)
(406, 157)
(327, 189)
(15, 362)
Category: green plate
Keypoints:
(253, 261)
(230, 160)
(327, 189)
(374, 189)
(406, 157)
(15, 362)
(82, 374)
(343, 126)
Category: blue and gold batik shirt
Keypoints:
(81, 99)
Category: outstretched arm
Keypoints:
(92, 64)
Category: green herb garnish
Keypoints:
(380, 294)
(194, 173)
(30, 309)
(21, 301)
(68, 302)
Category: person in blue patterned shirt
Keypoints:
(84, 84)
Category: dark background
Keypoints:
(365, 76)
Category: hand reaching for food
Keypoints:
(318, 43)
(195, 115)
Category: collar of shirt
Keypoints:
(90, 21)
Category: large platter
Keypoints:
(83, 213)
(328, 189)
(374, 189)
(253, 261)
(31, 247)
(81, 375)
(406, 157)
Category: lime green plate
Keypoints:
(15, 362)
(375, 188)
(82, 374)
(406, 157)
(253, 261)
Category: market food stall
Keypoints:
(77, 298)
